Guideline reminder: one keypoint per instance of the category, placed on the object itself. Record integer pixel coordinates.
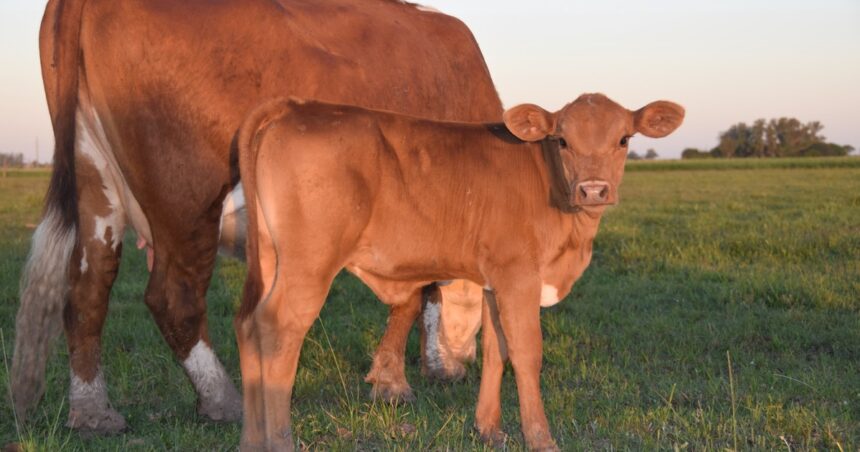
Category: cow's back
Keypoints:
(178, 77)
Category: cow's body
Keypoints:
(412, 201)
(145, 97)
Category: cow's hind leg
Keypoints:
(184, 262)
(92, 271)
(449, 327)
(388, 374)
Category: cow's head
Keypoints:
(593, 134)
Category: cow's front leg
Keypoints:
(184, 261)
(519, 312)
(388, 373)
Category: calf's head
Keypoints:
(592, 133)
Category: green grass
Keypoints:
(694, 270)
(744, 163)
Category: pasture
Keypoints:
(721, 311)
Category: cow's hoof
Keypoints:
(388, 379)
(104, 421)
(494, 438)
(453, 371)
(392, 393)
(227, 408)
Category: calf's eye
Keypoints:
(562, 143)
(624, 141)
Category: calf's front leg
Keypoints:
(494, 355)
(519, 315)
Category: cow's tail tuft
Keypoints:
(45, 279)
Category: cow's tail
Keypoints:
(45, 279)
(247, 142)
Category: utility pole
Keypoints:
(37, 152)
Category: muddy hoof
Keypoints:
(105, 421)
(227, 408)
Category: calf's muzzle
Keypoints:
(593, 193)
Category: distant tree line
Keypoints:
(11, 160)
(783, 137)
(651, 154)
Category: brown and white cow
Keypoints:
(145, 97)
(407, 201)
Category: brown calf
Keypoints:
(401, 202)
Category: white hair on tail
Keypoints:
(44, 288)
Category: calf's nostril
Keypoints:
(604, 192)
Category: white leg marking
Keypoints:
(548, 296)
(84, 264)
(206, 372)
(88, 395)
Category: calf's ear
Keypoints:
(529, 122)
(658, 119)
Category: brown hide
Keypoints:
(408, 201)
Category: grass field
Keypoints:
(721, 311)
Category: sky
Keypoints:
(725, 61)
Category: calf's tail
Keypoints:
(247, 140)
(45, 279)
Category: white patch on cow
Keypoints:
(234, 201)
(84, 264)
(433, 350)
(206, 373)
(92, 144)
(548, 296)
(234, 224)
(88, 395)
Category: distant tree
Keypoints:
(651, 154)
(633, 155)
(8, 160)
(826, 150)
(783, 137)
(693, 153)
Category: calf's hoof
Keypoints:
(541, 442)
(493, 437)
(227, 408)
(104, 421)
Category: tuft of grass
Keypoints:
(694, 262)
